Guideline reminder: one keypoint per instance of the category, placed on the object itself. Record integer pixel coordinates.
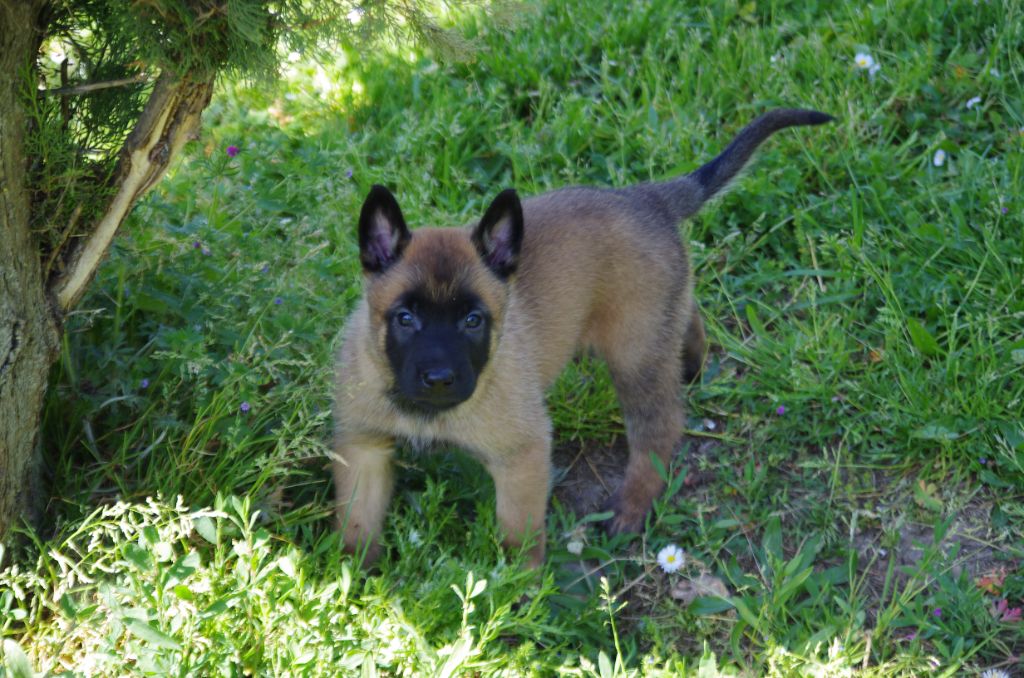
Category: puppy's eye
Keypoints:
(473, 320)
(405, 319)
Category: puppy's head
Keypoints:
(437, 298)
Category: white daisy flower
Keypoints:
(994, 673)
(972, 102)
(671, 558)
(864, 61)
(574, 547)
(939, 159)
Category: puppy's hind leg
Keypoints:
(695, 343)
(653, 412)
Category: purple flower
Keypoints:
(265, 268)
(144, 383)
(278, 301)
(348, 173)
(232, 151)
(245, 406)
(780, 410)
(937, 612)
(982, 461)
(1006, 210)
(196, 244)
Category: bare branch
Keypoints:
(171, 117)
(87, 87)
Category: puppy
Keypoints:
(461, 331)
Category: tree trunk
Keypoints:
(31, 308)
(28, 328)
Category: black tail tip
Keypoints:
(818, 118)
(786, 117)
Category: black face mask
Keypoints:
(436, 350)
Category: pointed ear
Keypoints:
(382, 231)
(499, 235)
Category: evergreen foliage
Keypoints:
(98, 60)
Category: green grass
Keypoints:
(875, 296)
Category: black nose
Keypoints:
(438, 378)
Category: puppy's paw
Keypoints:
(628, 519)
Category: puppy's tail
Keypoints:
(686, 194)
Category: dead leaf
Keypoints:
(689, 590)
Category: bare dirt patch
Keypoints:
(882, 523)
(587, 472)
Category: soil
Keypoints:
(587, 473)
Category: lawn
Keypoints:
(849, 497)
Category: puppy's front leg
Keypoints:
(363, 483)
(521, 482)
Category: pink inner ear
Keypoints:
(382, 248)
(383, 241)
(500, 244)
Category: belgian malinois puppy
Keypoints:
(461, 331)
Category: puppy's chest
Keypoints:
(430, 435)
(420, 445)
(467, 428)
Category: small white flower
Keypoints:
(972, 102)
(864, 61)
(939, 159)
(163, 551)
(776, 58)
(414, 538)
(671, 558)
(574, 547)
(994, 673)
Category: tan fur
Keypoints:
(588, 278)
(599, 270)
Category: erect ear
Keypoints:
(499, 235)
(382, 231)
